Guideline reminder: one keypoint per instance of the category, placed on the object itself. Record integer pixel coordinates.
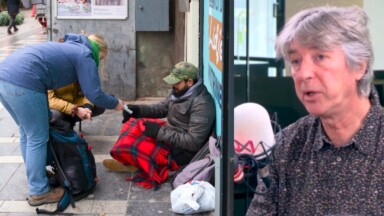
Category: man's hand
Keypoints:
(135, 113)
(83, 113)
(119, 105)
(151, 129)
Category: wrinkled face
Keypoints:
(181, 87)
(324, 83)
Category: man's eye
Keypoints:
(320, 57)
(295, 61)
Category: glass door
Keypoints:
(256, 23)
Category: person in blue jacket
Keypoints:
(25, 77)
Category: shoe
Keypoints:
(116, 166)
(9, 31)
(15, 29)
(54, 195)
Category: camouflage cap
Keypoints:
(181, 71)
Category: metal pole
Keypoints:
(201, 37)
(227, 115)
(247, 51)
(50, 20)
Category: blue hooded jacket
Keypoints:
(52, 65)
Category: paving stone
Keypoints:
(111, 185)
(140, 194)
(16, 187)
(101, 144)
(149, 208)
(8, 148)
(6, 172)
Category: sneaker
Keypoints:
(54, 195)
(116, 166)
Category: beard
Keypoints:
(179, 93)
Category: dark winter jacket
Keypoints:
(189, 120)
(13, 7)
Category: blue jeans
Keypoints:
(29, 109)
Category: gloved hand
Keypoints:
(151, 129)
(135, 113)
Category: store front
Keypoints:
(239, 65)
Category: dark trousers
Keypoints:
(181, 157)
(42, 21)
(12, 22)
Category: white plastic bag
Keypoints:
(193, 197)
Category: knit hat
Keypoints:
(181, 71)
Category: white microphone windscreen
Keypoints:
(253, 130)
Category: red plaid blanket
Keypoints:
(150, 156)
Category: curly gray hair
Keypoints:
(330, 27)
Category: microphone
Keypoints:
(253, 139)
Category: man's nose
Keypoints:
(306, 71)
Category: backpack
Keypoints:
(73, 165)
(201, 167)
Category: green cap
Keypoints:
(181, 71)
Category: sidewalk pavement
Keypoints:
(30, 32)
(29, 24)
(113, 195)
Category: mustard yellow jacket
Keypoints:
(67, 98)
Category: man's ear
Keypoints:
(190, 82)
(361, 70)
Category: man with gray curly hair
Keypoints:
(329, 162)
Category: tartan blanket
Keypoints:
(150, 156)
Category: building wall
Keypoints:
(192, 33)
(120, 67)
(137, 61)
(157, 53)
(155, 58)
(294, 6)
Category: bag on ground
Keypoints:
(73, 165)
(193, 197)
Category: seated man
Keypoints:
(189, 111)
(69, 104)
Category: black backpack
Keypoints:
(73, 166)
